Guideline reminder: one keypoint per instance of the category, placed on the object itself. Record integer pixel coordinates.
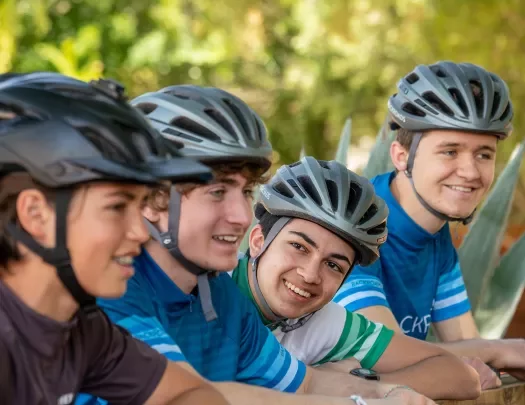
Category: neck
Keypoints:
(37, 285)
(403, 192)
(251, 284)
(185, 280)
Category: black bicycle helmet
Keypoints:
(453, 96)
(64, 132)
(327, 193)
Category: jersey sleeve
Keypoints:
(263, 361)
(451, 298)
(357, 337)
(121, 369)
(362, 289)
(136, 313)
(6, 376)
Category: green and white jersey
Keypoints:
(331, 334)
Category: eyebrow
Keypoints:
(459, 145)
(124, 194)
(311, 242)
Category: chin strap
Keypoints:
(278, 321)
(59, 255)
(408, 172)
(170, 240)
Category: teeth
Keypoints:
(227, 238)
(297, 290)
(124, 260)
(464, 189)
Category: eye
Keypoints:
(450, 153)
(298, 246)
(485, 156)
(120, 207)
(334, 266)
(248, 193)
(218, 193)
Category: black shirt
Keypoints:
(45, 362)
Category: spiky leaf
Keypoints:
(344, 143)
(479, 251)
(379, 161)
(499, 301)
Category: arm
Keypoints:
(189, 390)
(383, 315)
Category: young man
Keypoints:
(75, 160)
(181, 295)
(318, 219)
(449, 118)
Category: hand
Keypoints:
(487, 377)
(509, 354)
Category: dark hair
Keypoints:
(10, 188)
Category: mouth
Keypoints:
(126, 261)
(463, 189)
(300, 293)
(227, 239)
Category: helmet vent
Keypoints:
(282, 189)
(369, 214)
(477, 92)
(458, 98)
(194, 128)
(506, 112)
(412, 109)
(437, 103)
(332, 193)
(296, 188)
(353, 198)
(260, 130)
(412, 78)
(495, 104)
(238, 114)
(107, 149)
(310, 189)
(438, 71)
(146, 108)
(377, 230)
(218, 117)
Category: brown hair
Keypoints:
(158, 199)
(405, 137)
(10, 188)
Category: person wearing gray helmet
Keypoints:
(316, 220)
(181, 300)
(76, 161)
(449, 118)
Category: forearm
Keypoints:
(481, 348)
(204, 394)
(438, 377)
(241, 394)
(333, 383)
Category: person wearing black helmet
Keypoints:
(181, 300)
(75, 164)
(449, 118)
(316, 220)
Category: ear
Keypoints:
(256, 240)
(36, 216)
(399, 156)
(150, 214)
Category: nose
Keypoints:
(239, 211)
(137, 231)
(310, 273)
(468, 168)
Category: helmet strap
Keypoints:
(59, 255)
(170, 240)
(408, 172)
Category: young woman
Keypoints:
(318, 219)
(75, 160)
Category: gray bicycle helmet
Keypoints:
(446, 95)
(64, 132)
(327, 193)
(208, 123)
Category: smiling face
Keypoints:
(452, 170)
(104, 232)
(302, 269)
